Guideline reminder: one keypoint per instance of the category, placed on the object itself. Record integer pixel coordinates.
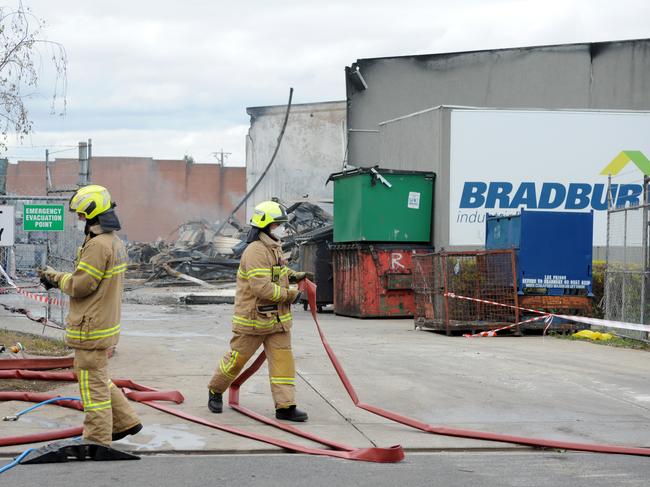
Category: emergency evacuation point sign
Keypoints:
(43, 218)
(7, 224)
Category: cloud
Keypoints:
(174, 77)
(156, 143)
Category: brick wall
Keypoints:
(153, 196)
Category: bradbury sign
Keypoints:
(552, 160)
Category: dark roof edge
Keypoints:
(501, 49)
(293, 105)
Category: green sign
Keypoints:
(43, 218)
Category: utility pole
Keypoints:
(221, 156)
(84, 164)
(48, 174)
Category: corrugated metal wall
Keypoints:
(610, 75)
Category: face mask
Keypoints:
(81, 225)
(279, 232)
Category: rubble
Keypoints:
(198, 252)
(304, 219)
(205, 252)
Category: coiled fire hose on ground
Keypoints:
(150, 397)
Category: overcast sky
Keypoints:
(167, 78)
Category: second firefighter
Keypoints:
(262, 315)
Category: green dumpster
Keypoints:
(382, 205)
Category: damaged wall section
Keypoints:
(313, 147)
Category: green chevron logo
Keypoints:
(622, 160)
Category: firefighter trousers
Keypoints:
(107, 410)
(279, 355)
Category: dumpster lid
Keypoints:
(381, 246)
(374, 170)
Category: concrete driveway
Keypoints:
(528, 386)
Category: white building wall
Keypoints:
(515, 145)
(313, 147)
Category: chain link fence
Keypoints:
(34, 249)
(626, 296)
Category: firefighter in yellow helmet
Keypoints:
(93, 322)
(262, 315)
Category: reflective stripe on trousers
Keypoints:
(280, 358)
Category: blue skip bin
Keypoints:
(554, 250)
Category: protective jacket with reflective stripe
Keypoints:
(95, 290)
(262, 301)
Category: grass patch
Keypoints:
(619, 342)
(34, 345)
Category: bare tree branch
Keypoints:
(20, 64)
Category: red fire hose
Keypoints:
(147, 396)
(310, 288)
(41, 363)
(36, 363)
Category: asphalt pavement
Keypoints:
(484, 469)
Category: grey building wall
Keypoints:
(420, 142)
(313, 147)
(609, 75)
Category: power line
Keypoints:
(221, 156)
(37, 146)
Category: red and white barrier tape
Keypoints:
(493, 333)
(578, 319)
(41, 298)
(36, 297)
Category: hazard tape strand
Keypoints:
(577, 319)
(493, 333)
(36, 297)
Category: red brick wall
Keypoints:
(153, 196)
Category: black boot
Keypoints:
(133, 430)
(291, 414)
(215, 402)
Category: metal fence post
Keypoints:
(445, 291)
(3, 175)
(513, 263)
(625, 270)
(644, 244)
(607, 274)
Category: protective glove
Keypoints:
(292, 295)
(47, 276)
(299, 276)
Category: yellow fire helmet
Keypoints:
(268, 212)
(91, 201)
